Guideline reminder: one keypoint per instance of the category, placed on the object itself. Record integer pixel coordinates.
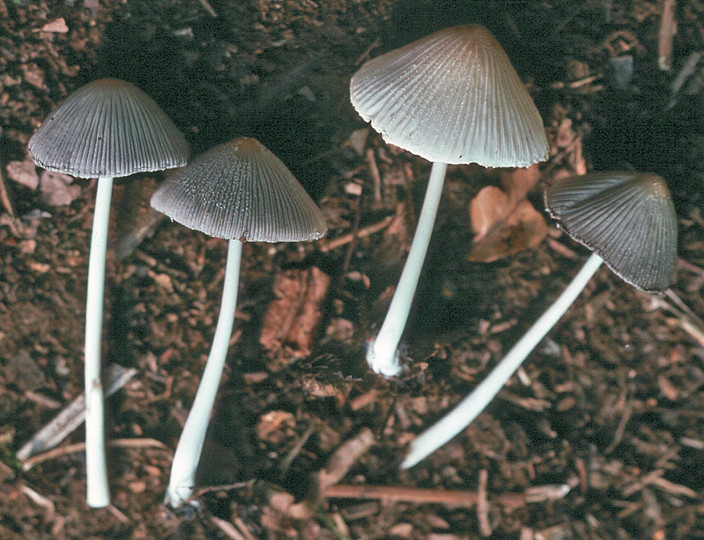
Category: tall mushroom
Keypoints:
(242, 192)
(628, 220)
(452, 97)
(106, 129)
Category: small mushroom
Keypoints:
(106, 129)
(452, 97)
(629, 221)
(242, 192)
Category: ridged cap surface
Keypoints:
(240, 190)
(453, 97)
(626, 218)
(108, 128)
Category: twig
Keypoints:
(684, 316)
(227, 528)
(457, 498)
(240, 524)
(343, 458)
(690, 267)
(363, 57)
(374, 173)
(72, 416)
(207, 7)
(687, 70)
(361, 233)
(621, 429)
(483, 504)
(81, 446)
(286, 462)
(668, 29)
(115, 511)
(198, 492)
(41, 500)
(681, 304)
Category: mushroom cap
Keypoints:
(108, 128)
(626, 218)
(452, 97)
(240, 190)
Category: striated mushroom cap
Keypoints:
(626, 218)
(108, 128)
(452, 97)
(240, 190)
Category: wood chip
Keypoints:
(292, 320)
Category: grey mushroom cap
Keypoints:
(108, 128)
(240, 190)
(452, 97)
(626, 218)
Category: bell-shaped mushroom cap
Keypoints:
(452, 97)
(240, 190)
(108, 128)
(626, 218)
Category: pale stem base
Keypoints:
(382, 355)
(190, 445)
(470, 407)
(97, 492)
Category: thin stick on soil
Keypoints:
(81, 446)
(457, 498)
(668, 29)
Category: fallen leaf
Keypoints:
(504, 221)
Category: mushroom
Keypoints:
(106, 129)
(452, 97)
(628, 220)
(242, 192)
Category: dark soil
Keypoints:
(601, 436)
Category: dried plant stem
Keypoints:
(465, 499)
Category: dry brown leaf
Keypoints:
(505, 222)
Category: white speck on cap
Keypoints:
(240, 190)
(108, 128)
(452, 97)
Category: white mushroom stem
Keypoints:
(470, 407)
(382, 355)
(97, 492)
(190, 445)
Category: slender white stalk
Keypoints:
(190, 445)
(470, 407)
(382, 355)
(97, 492)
